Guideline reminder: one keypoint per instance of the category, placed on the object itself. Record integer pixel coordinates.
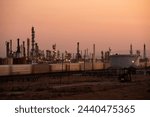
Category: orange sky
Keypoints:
(107, 23)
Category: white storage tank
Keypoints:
(123, 60)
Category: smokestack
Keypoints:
(144, 52)
(28, 48)
(7, 49)
(24, 51)
(11, 47)
(93, 52)
(78, 52)
(102, 56)
(18, 45)
(78, 48)
(131, 50)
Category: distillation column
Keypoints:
(33, 41)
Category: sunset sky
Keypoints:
(107, 23)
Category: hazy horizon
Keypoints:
(115, 24)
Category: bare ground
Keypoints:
(77, 87)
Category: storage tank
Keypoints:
(123, 61)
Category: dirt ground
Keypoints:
(77, 88)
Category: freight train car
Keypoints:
(4, 70)
(40, 68)
(22, 69)
(15, 69)
(56, 67)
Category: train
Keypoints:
(24, 69)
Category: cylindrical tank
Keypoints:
(122, 61)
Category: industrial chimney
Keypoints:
(18, 45)
(93, 53)
(102, 56)
(78, 56)
(7, 49)
(78, 48)
(28, 48)
(10, 48)
(24, 51)
(18, 48)
(131, 50)
(87, 52)
(144, 52)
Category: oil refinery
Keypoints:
(28, 58)
(31, 73)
